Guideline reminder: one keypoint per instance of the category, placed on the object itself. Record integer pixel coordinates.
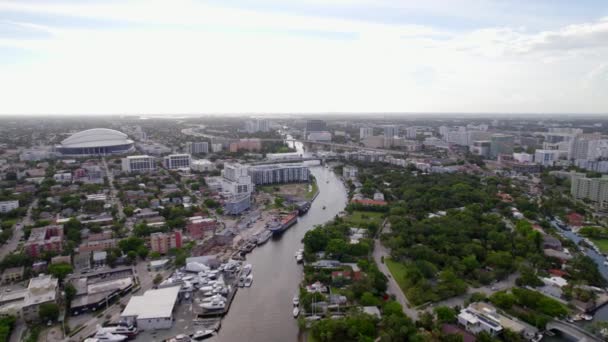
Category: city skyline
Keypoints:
(196, 57)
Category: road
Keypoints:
(115, 200)
(13, 242)
(393, 287)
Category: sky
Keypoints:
(293, 56)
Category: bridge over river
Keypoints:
(573, 331)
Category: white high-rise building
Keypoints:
(197, 147)
(546, 157)
(365, 132)
(142, 163)
(257, 125)
(236, 179)
(177, 161)
(411, 132)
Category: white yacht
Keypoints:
(214, 305)
(129, 331)
(296, 312)
(104, 336)
(296, 300)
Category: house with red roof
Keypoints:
(575, 219)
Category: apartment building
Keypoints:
(177, 161)
(143, 163)
(280, 173)
(163, 242)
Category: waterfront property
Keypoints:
(153, 310)
(279, 173)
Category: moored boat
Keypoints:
(282, 222)
(296, 312)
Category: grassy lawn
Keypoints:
(397, 271)
(602, 244)
(313, 190)
(361, 218)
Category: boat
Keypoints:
(214, 305)
(263, 237)
(104, 336)
(216, 297)
(201, 335)
(299, 258)
(241, 282)
(180, 338)
(323, 207)
(282, 222)
(605, 263)
(248, 281)
(296, 312)
(296, 300)
(129, 331)
(587, 317)
(246, 269)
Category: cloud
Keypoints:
(573, 37)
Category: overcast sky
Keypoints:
(186, 56)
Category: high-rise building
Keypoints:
(142, 163)
(279, 173)
(365, 132)
(197, 147)
(257, 125)
(390, 131)
(316, 126)
(411, 132)
(501, 144)
(177, 161)
(546, 157)
(592, 189)
(481, 148)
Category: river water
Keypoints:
(602, 313)
(263, 312)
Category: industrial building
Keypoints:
(96, 141)
(279, 173)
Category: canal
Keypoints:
(263, 312)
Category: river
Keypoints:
(602, 313)
(263, 312)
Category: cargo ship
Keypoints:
(282, 222)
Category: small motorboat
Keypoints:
(104, 336)
(201, 335)
(180, 338)
(587, 317)
(248, 281)
(296, 312)
(299, 258)
(247, 269)
(296, 300)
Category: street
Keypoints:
(13, 242)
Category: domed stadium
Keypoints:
(96, 141)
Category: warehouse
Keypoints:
(153, 310)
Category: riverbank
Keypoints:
(264, 311)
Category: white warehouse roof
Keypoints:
(152, 304)
(96, 137)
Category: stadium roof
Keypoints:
(96, 137)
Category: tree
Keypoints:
(445, 314)
(158, 279)
(60, 271)
(48, 312)
(132, 255)
(70, 293)
(368, 299)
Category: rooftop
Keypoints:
(153, 303)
